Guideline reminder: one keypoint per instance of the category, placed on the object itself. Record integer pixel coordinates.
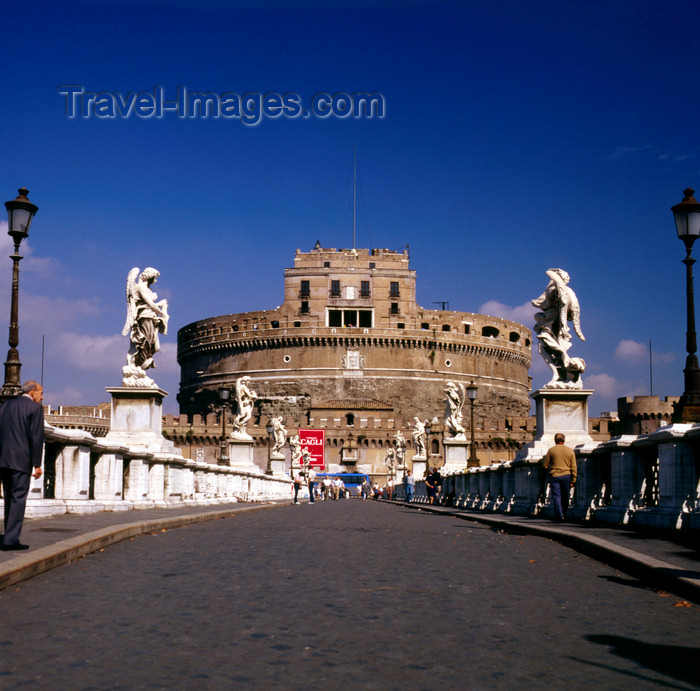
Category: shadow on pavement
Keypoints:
(677, 662)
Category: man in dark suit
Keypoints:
(21, 449)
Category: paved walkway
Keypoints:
(348, 594)
(667, 560)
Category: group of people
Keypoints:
(333, 488)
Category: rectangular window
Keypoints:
(304, 307)
(364, 289)
(305, 289)
(335, 318)
(394, 289)
(335, 289)
(350, 318)
(394, 307)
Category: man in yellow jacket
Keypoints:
(560, 464)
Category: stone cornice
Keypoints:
(251, 341)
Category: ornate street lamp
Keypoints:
(224, 397)
(270, 428)
(471, 395)
(20, 213)
(687, 217)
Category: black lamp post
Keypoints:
(20, 213)
(471, 395)
(224, 397)
(270, 430)
(687, 217)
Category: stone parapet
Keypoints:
(650, 480)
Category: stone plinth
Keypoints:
(240, 454)
(277, 467)
(456, 455)
(137, 419)
(419, 467)
(565, 411)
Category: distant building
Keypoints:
(644, 414)
(92, 419)
(350, 350)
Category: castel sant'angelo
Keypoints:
(350, 351)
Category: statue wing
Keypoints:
(574, 313)
(130, 300)
(462, 395)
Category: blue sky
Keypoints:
(518, 136)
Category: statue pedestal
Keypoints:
(456, 455)
(558, 410)
(420, 465)
(240, 454)
(565, 411)
(137, 419)
(276, 465)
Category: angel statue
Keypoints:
(146, 317)
(418, 435)
(295, 446)
(454, 402)
(279, 436)
(400, 443)
(245, 399)
(559, 305)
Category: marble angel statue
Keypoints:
(279, 436)
(454, 402)
(559, 305)
(418, 434)
(400, 442)
(146, 317)
(245, 399)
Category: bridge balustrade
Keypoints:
(86, 474)
(650, 480)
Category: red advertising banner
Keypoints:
(315, 441)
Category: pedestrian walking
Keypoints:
(297, 486)
(408, 483)
(432, 485)
(21, 449)
(311, 480)
(366, 490)
(560, 464)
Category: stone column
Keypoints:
(109, 479)
(73, 479)
(156, 484)
(136, 483)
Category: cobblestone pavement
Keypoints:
(345, 594)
